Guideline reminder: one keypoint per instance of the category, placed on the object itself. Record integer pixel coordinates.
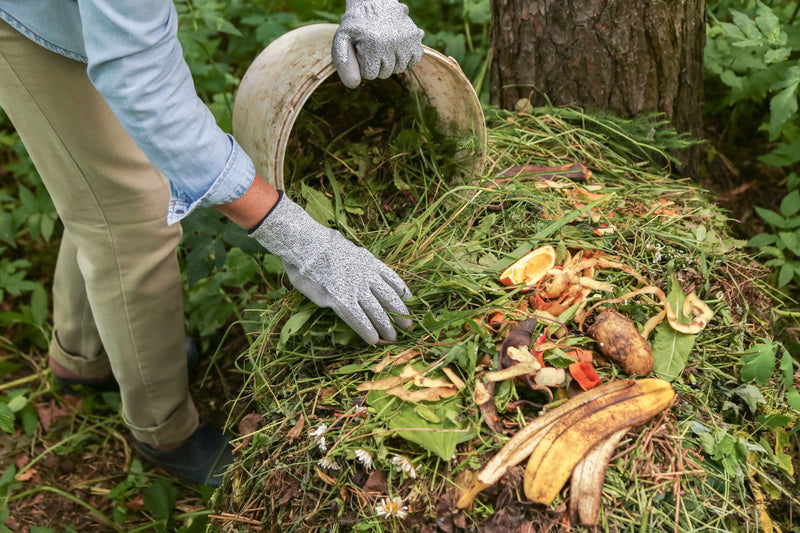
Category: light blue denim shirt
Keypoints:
(135, 60)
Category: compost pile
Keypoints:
(573, 299)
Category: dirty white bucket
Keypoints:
(284, 75)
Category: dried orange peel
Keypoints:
(530, 268)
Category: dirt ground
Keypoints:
(99, 461)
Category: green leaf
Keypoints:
(440, 438)
(435, 426)
(747, 26)
(762, 239)
(758, 363)
(791, 241)
(782, 107)
(793, 399)
(785, 274)
(787, 378)
(17, 403)
(784, 460)
(671, 351)
(790, 204)
(294, 324)
(787, 369)
(750, 395)
(777, 55)
(6, 418)
(159, 498)
(671, 348)
(771, 217)
(318, 206)
(39, 305)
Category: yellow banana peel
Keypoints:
(567, 442)
(610, 407)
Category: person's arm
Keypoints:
(249, 210)
(136, 62)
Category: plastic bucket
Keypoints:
(285, 74)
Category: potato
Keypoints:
(620, 341)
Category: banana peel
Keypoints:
(588, 477)
(558, 440)
(566, 442)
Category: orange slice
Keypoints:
(531, 268)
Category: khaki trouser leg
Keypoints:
(118, 281)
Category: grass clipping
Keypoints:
(338, 434)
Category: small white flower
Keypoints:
(322, 428)
(391, 508)
(402, 464)
(318, 435)
(365, 458)
(361, 410)
(327, 464)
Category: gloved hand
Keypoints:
(333, 272)
(376, 38)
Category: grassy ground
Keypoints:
(723, 457)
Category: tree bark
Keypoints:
(631, 57)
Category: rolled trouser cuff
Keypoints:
(96, 368)
(176, 428)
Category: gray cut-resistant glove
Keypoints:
(333, 272)
(375, 39)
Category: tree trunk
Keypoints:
(631, 57)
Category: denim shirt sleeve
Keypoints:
(136, 62)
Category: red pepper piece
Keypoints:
(584, 374)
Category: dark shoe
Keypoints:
(201, 460)
(109, 384)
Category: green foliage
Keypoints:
(28, 225)
(758, 366)
(754, 56)
(753, 52)
(782, 244)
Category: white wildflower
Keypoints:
(327, 464)
(322, 428)
(391, 508)
(318, 435)
(365, 458)
(403, 464)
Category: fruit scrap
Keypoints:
(431, 394)
(567, 441)
(569, 284)
(530, 268)
(620, 341)
(518, 370)
(397, 359)
(522, 443)
(550, 377)
(430, 389)
(588, 477)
